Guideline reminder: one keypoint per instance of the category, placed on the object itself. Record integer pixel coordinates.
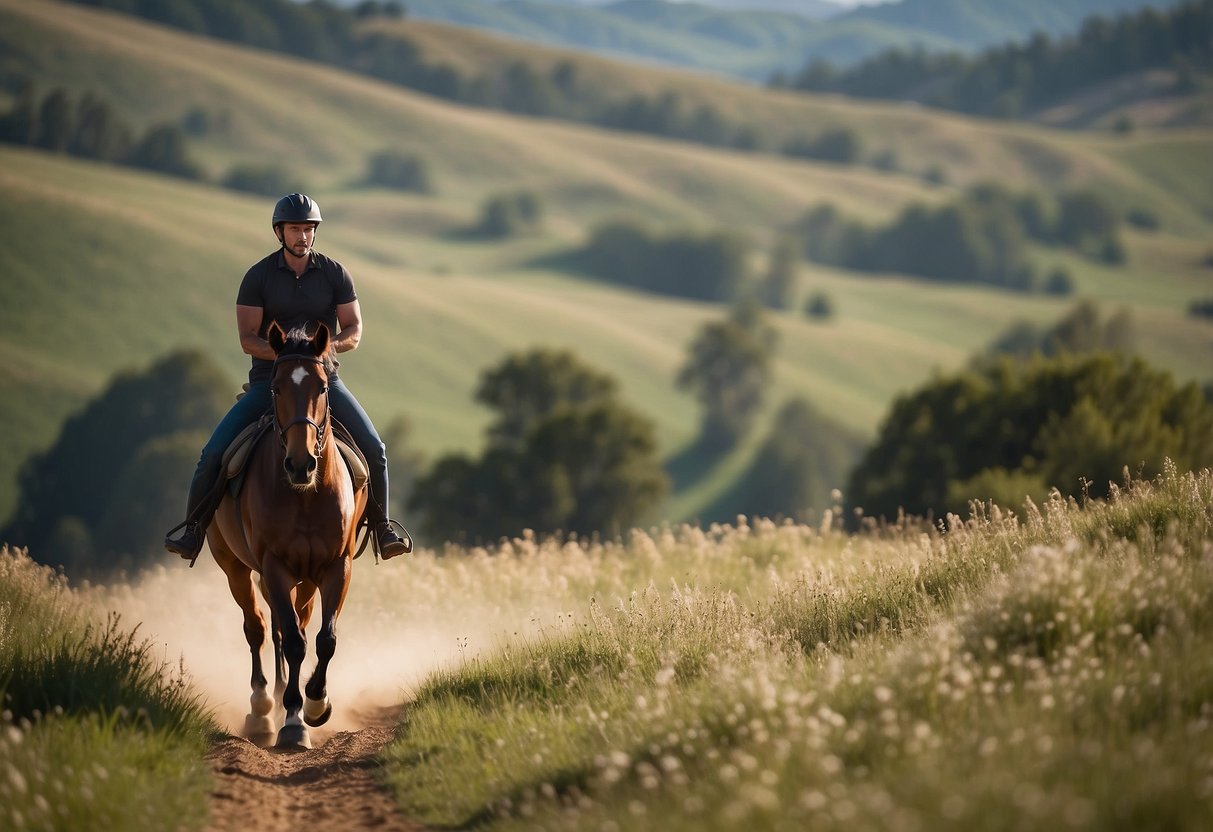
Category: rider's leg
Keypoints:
(392, 538)
(206, 486)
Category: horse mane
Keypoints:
(298, 341)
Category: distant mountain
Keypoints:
(976, 24)
(806, 8)
(747, 43)
(754, 39)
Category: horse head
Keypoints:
(299, 385)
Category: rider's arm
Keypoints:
(349, 319)
(248, 323)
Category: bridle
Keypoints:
(322, 428)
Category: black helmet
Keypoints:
(296, 208)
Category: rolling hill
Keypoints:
(110, 268)
(756, 41)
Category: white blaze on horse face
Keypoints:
(298, 375)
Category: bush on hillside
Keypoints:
(400, 171)
(163, 149)
(819, 307)
(981, 237)
(1074, 423)
(504, 215)
(704, 266)
(126, 454)
(1081, 330)
(842, 145)
(270, 180)
(564, 454)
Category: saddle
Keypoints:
(236, 457)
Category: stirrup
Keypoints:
(393, 526)
(183, 525)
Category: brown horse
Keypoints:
(294, 524)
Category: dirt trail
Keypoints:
(331, 786)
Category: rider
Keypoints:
(295, 286)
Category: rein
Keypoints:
(321, 428)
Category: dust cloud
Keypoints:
(401, 621)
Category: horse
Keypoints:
(294, 524)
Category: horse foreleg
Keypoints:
(336, 580)
(258, 726)
(279, 661)
(278, 587)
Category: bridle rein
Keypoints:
(321, 428)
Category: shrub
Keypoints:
(264, 180)
(400, 171)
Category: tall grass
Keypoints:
(1048, 670)
(95, 733)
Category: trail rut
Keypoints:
(333, 785)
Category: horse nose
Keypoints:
(299, 474)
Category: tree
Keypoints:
(105, 458)
(400, 171)
(527, 388)
(503, 215)
(264, 180)
(1080, 330)
(777, 285)
(704, 266)
(728, 367)
(1058, 422)
(98, 133)
(805, 457)
(563, 455)
(164, 149)
(55, 121)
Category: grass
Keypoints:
(1041, 670)
(95, 734)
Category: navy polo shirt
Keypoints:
(307, 300)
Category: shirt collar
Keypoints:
(311, 260)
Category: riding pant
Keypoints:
(254, 404)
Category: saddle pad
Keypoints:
(237, 454)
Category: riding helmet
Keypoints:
(296, 208)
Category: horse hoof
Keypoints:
(312, 714)
(259, 730)
(294, 738)
(260, 703)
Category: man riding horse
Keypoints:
(295, 286)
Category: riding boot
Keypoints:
(203, 501)
(388, 541)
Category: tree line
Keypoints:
(983, 236)
(1064, 407)
(1013, 80)
(91, 128)
(321, 31)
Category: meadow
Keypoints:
(1040, 668)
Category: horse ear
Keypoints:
(276, 337)
(321, 342)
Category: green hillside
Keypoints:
(109, 268)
